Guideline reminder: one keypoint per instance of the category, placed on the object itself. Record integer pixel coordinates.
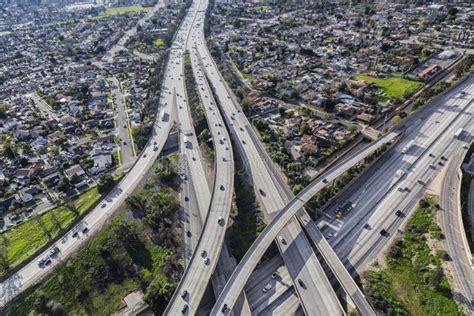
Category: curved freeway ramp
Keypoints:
(248, 263)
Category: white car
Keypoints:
(221, 220)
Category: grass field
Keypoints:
(24, 239)
(159, 42)
(128, 9)
(394, 87)
(413, 282)
(95, 281)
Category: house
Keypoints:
(101, 163)
(75, 170)
(310, 149)
(28, 194)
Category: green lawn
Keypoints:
(413, 282)
(394, 87)
(95, 281)
(159, 42)
(128, 9)
(24, 239)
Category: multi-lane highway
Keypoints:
(31, 273)
(191, 288)
(399, 180)
(299, 257)
(237, 281)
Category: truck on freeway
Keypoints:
(408, 146)
(163, 115)
(458, 133)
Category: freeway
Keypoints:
(78, 235)
(188, 294)
(339, 270)
(226, 262)
(197, 175)
(298, 256)
(452, 227)
(398, 181)
(249, 261)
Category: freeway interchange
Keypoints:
(380, 200)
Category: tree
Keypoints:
(158, 293)
(8, 151)
(105, 183)
(64, 185)
(282, 111)
(453, 11)
(247, 103)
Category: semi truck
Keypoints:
(163, 115)
(458, 133)
(408, 146)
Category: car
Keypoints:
(328, 236)
(261, 192)
(207, 261)
(85, 230)
(185, 309)
(103, 205)
(47, 260)
(53, 251)
(241, 129)
(220, 220)
(125, 126)
(221, 141)
(144, 156)
(188, 233)
(407, 189)
(155, 148)
(186, 199)
(367, 226)
(282, 240)
(75, 234)
(421, 182)
(194, 158)
(275, 275)
(432, 166)
(125, 143)
(184, 294)
(325, 180)
(267, 288)
(221, 187)
(204, 253)
(400, 189)
(40, 262)
(224, 308)
(440, 163)
(384, 233)
(431, 155)
(301, 283)
(444, 158)
(399, 213)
